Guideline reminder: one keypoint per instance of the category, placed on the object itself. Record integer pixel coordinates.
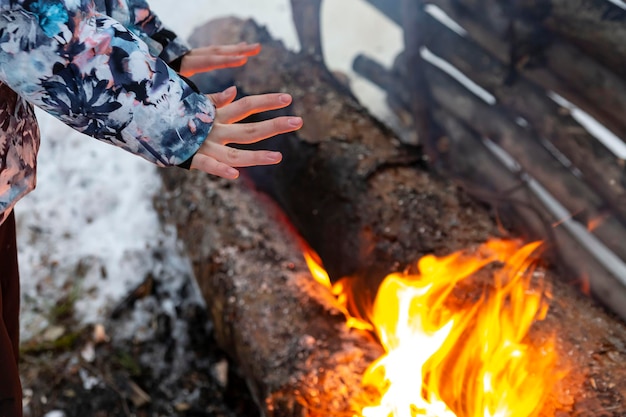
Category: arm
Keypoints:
(142, 21)
(89, 71)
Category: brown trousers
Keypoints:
(10, 387)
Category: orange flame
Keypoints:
(338, 290)
(445, 360)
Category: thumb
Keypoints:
(225, 97)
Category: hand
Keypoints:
(214, 157)
(210, 58)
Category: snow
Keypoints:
(89, 231)
(90, 220)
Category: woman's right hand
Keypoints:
(217, 158)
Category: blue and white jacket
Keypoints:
(101, 67)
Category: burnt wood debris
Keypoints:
(369, 204)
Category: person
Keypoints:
(111, 70)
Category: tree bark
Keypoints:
(344, 179)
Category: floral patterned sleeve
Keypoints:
(95, 75)
(137, 16)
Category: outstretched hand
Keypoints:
(214, 157)
(214, 57)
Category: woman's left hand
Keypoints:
(214, 57)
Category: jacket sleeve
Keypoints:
(137, 16)
(96, 76)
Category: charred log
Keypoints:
(375, 187)
(284, 330)
(344, 179)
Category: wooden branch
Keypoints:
(563, 69)
(597, 26)
(306, 18)
(343, 179)
(392, 83)
(601, 169)
(412, 15)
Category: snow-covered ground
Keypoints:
(89, 231)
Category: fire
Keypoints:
(448, 358)
(338, 290)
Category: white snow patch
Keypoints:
(352, 27)
(183, 16)
(88, 228)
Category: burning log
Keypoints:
(286, 332)
(357, 196)
(374, 185)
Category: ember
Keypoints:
(443, 360)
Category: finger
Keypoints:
(249, 105)
(224, 98)
(239, 157)
(242, 48)
(212, 166)
(205, 63)
(253, 132)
